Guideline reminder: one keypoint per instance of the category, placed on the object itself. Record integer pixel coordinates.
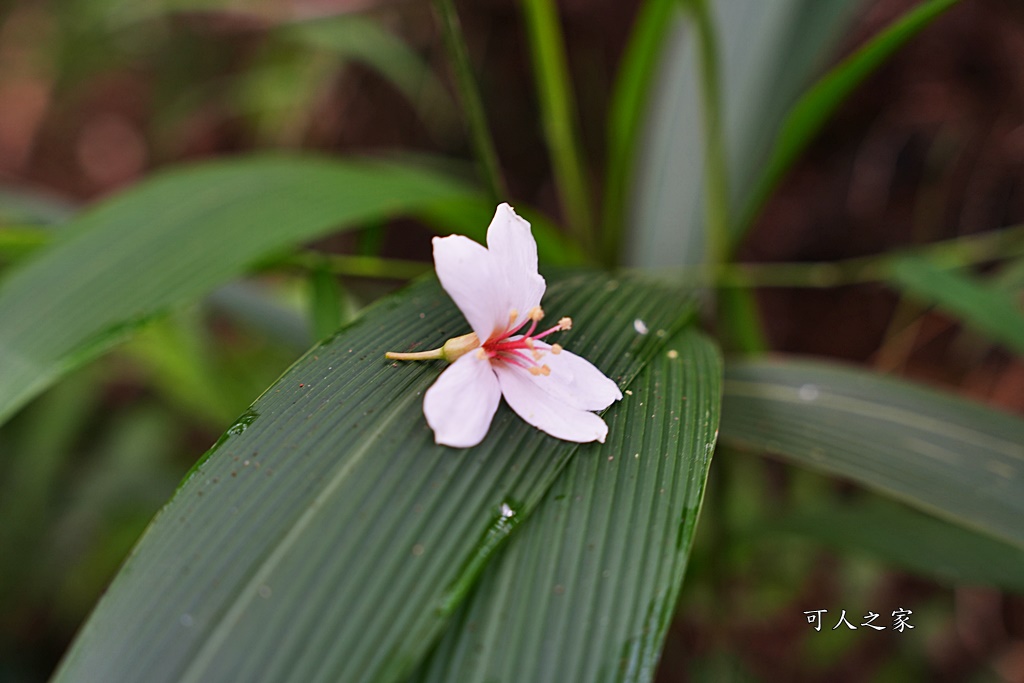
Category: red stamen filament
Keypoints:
(513, 350)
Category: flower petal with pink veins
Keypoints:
(576, 380)
(514, 254)
(460, 405)
(467, 272)
(545, 411)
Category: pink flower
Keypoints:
(499, 291)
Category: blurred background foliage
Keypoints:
(97, 94)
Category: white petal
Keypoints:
(467, 272)
(460, 405)
(545, 411)
(575, 380)
(514, 254)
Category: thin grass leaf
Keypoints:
(326, 537)
(990, 310)
(561, 120)
(363, 39)
(586, 590)
(325, 302)
(813, 109)
(956, 459)
(472, 102)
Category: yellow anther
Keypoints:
(512, 315)
(481, 354)
(536, 313)
(528, 341)
(536, 355)
(535, 370)
(556, 349)
(545, 370)
(565, 323)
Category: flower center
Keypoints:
(521, 350)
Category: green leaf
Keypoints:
(365, 40)
(990, 310)
(325, 302)
(586, 590)
(767, 52)
(173, 238)
(632, 88)
(813, 109)
(21, 206)
(18, 242)
(326, 537)
(951, 457)
(560, 118)
(903, 537)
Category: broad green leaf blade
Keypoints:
(951, 457)
(813, 109)
(903, 537)
(586, 590)
(326, 537)
(174, 238)
(768, 51)
(990, 310)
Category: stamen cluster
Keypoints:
(521, 350)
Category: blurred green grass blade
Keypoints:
(258, 308)
(1010, 277)
(631, 92)
(28, 207)
(472, 102)
(325, 302)
(560, 118)
(813, 109)
(36, 447)
(18, 242)
(906, 538)
(740, 321)
(363, 39)
(587, 588)
(951, 457)
(178, 365)
(767, 52)
(174, 238)
(326, 537)
(994, 312)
